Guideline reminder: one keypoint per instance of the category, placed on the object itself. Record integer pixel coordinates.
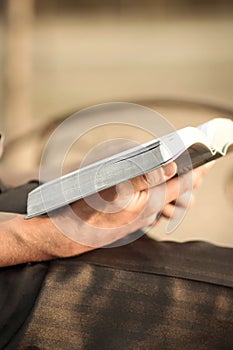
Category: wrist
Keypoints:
(52, 242)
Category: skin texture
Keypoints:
(117, 212)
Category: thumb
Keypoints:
(154, 178)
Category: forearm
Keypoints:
(33, 240)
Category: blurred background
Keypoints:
(60, 55)
(57, 56)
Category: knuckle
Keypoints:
(155, 177)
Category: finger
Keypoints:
(155, 177)
(200, 172)
(185, 201)
(178, 186)
(156, 198)
(171, 211)
(168, 211)
(175, 187)
(157, 218)
(186, 183)
(166, 173)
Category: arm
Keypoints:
(33, 240)
(39, 239)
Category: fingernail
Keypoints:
(170, 169)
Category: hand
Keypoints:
(112, 214)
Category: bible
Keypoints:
(189, 147)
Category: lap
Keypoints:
(146, 295)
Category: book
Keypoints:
(189, 147)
